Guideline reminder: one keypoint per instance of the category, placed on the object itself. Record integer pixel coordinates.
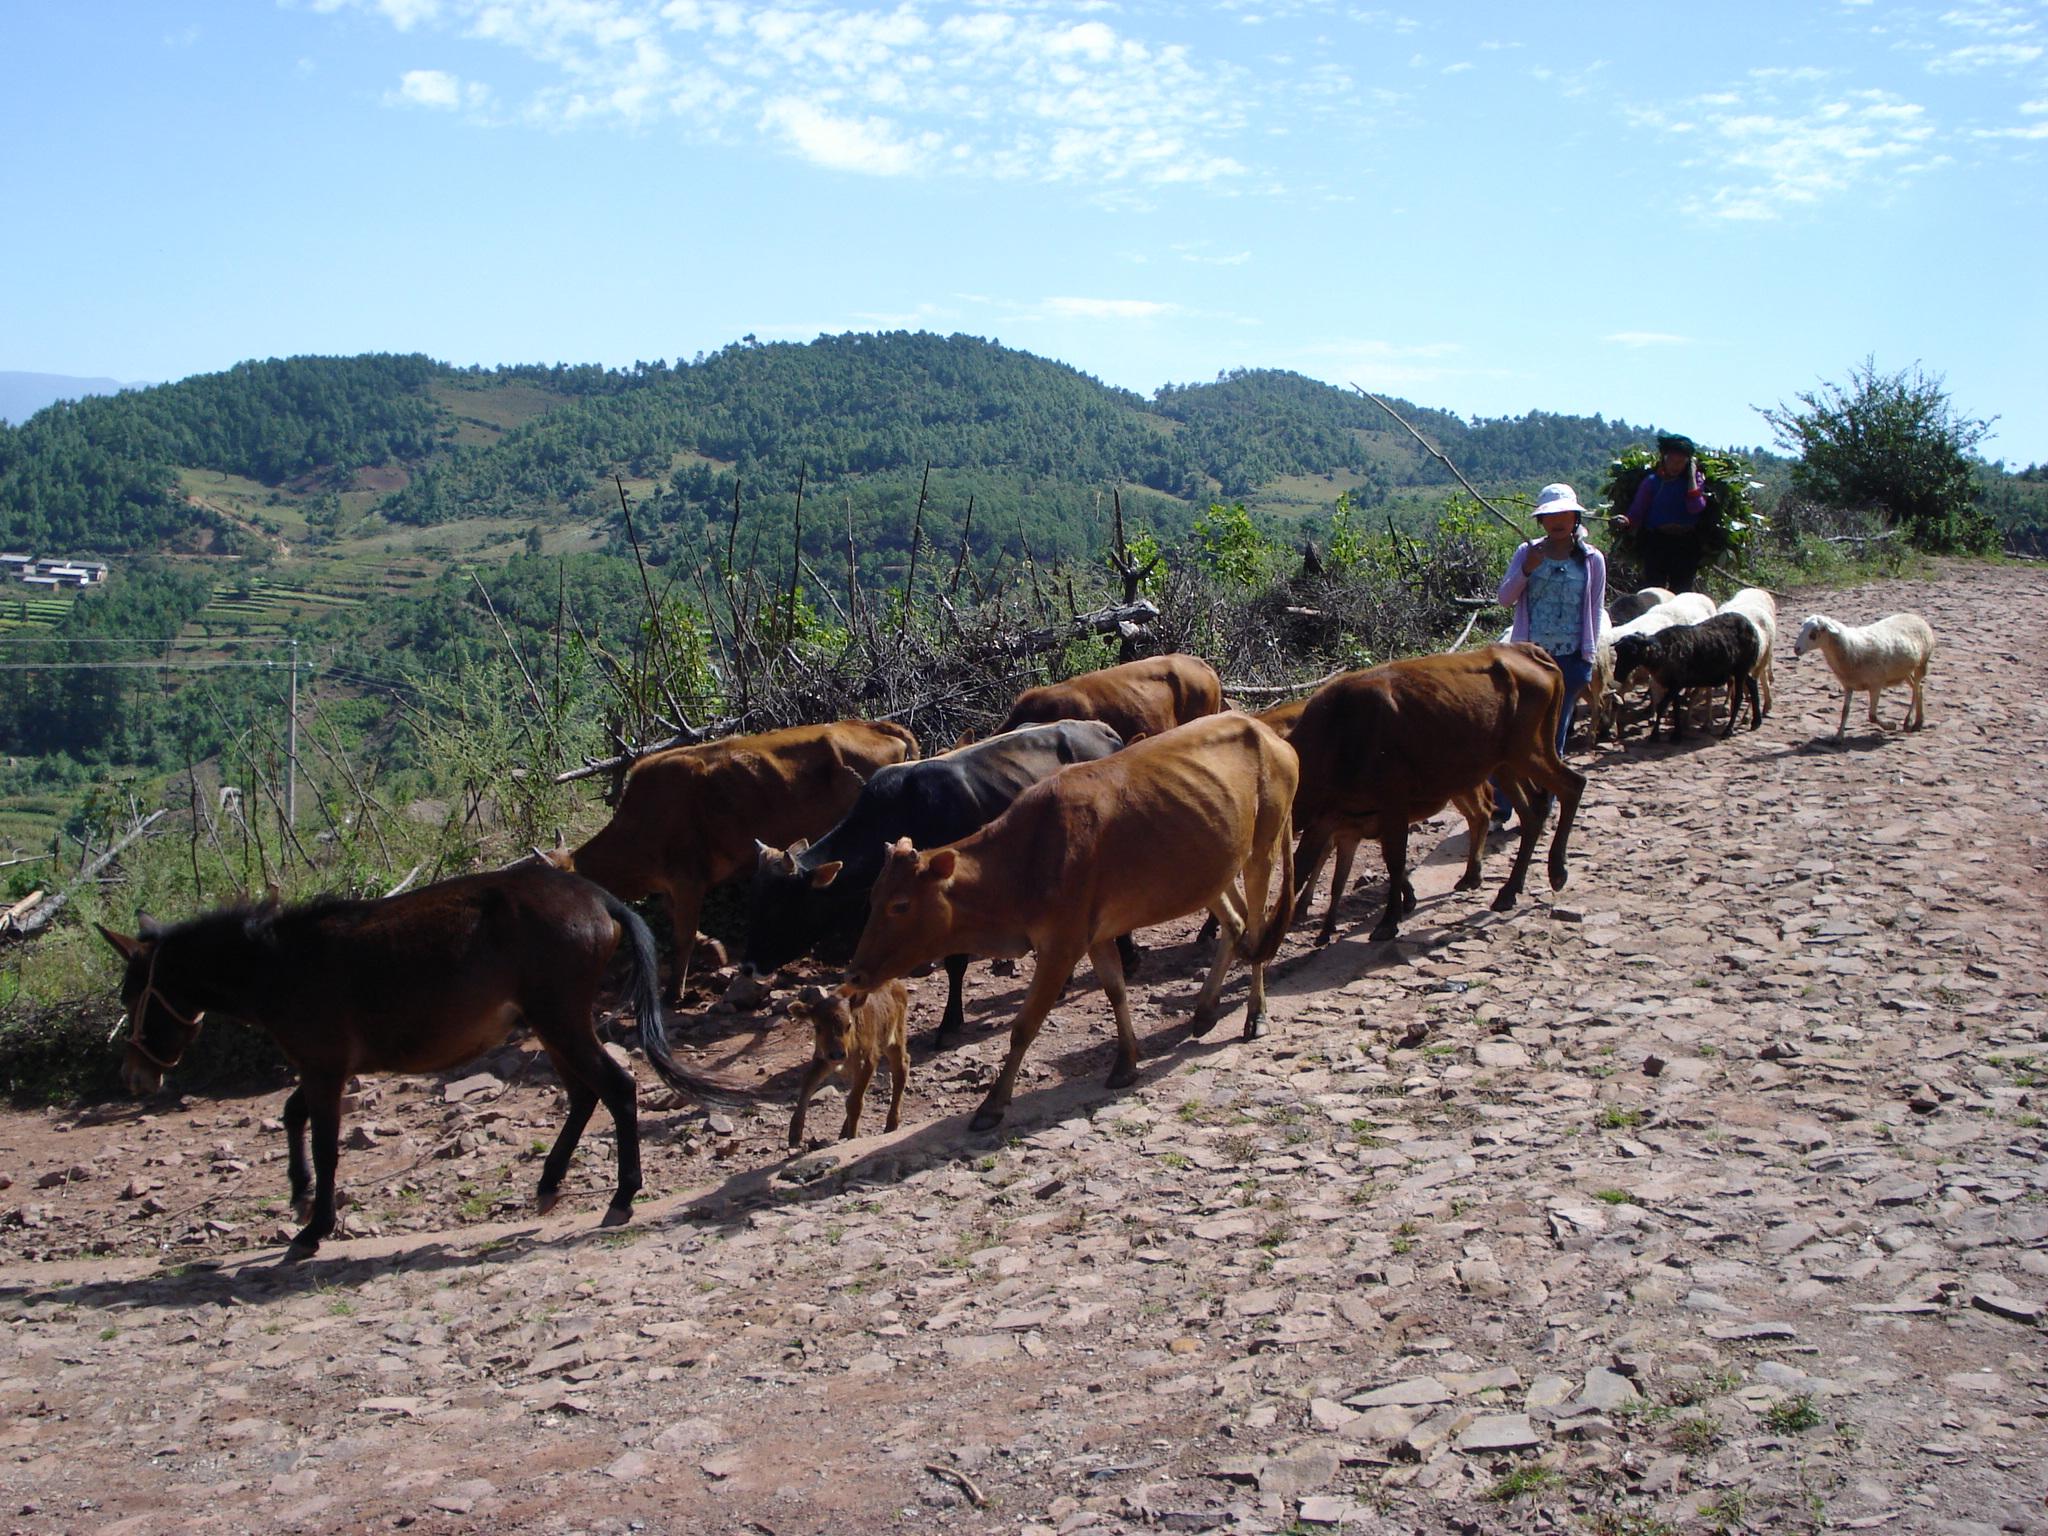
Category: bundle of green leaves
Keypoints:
(1732, 523)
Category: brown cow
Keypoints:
(1386, 747)
(1139, 698)
(1475, 805)
(1197, 817)
(851, 1034)
(689, 816)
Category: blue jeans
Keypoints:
(1578, 671)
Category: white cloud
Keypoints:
(1109, 309)
(407, 14)
(1978, 56)
(1645, 339)
(1073, 92)
(1754, 160)
(870, 144)
(430, 88)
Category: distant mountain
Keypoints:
(23, 394)
(1033, 445)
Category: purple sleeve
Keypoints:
(1596, 601)
(1512, 584)
(1696, 498)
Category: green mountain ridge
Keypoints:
(388, 442)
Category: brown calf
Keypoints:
(689, 817)
(1197, 817)
(1393, 745)
(1139, 698)
(852, 1032)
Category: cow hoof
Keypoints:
(617, 1215)
(1558, 877)
(1203, 1021)
(1122, 1075)
(986, 1118)
(299, 1252)
(1471, 884)
(1255, 1027)
(1385, 933)
(1504, 902)
(547, 1200)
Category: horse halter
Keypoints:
(150, 994)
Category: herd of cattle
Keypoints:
(1111, 802)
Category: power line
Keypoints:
(160, 665)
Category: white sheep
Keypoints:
(1761, 609)
(1895, 649)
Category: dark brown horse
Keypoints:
(415, 983)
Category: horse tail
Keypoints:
(644, 988)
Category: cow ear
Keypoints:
(146, 927)
(124, 946)
(825, 874)
(941, 864)
(796, 849)
(561, 840)
(1135, 737)
(764, 855)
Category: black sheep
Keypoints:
(1719, 652)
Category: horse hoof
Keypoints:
(1255, 1027)
(616, 1215)
(1122, 1075)
(547, 1200)
(986, 1118)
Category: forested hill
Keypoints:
(406, 440)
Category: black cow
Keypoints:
(805, 892)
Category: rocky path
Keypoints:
(1708, 1197)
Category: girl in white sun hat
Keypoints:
(1557, 585)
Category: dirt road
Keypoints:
(1707, 1195)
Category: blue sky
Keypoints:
(1667, 213)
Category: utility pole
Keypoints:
(291, 751)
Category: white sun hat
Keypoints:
(1558, 498)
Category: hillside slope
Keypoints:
(330, 445)
(1715, 1183)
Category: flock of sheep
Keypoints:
(1680, 641)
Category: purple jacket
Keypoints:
(1643, 509)
(1514, 593)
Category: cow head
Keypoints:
(834, 1018)
(910, 916)
(785, 912)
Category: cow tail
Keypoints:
(644, 988)
(1283, 912)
